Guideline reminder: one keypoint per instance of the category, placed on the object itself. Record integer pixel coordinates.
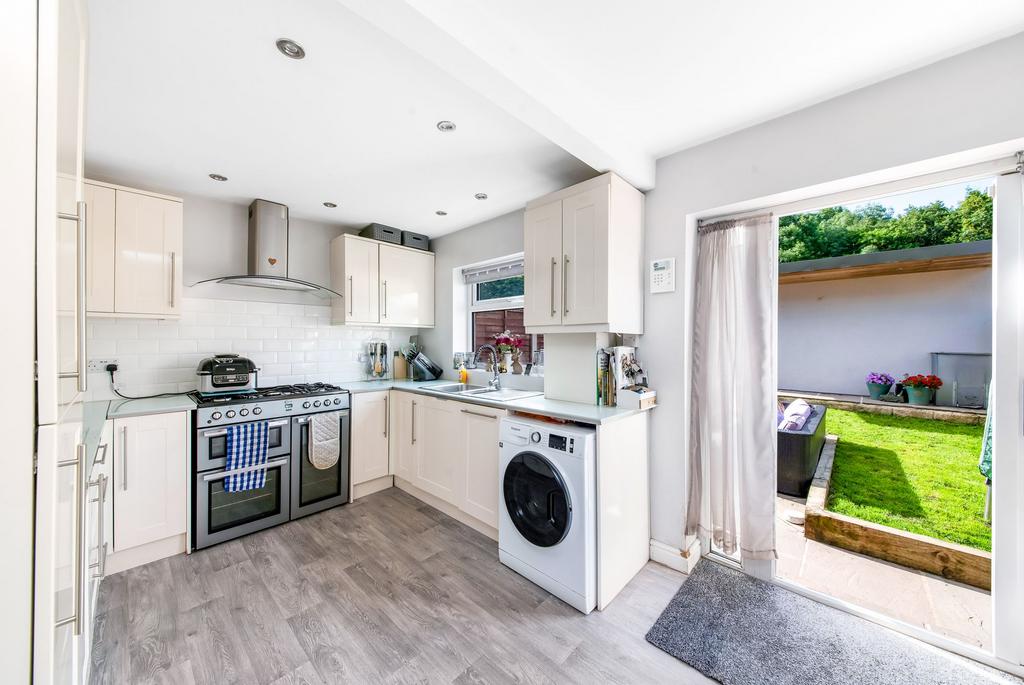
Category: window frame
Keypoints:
(490, 305)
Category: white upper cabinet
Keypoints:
(542, 250)
(99, 250)
(583, 249)
(407, 286)
(370, 428)
(355, 272)
(381, 283)
(148, 240)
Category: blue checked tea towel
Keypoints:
(247, 447)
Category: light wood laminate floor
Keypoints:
(386, 589)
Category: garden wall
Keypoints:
(831, 333)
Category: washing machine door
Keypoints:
(537, 499)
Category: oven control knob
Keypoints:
(306, 405)
(316, 403)
(257, 410)
(215, 415)
(534, 436)
(243, 412)
(337, 400)
(230, 414)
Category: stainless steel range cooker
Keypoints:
(294, 487)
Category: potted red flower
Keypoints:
(921, 388)
(507, 342)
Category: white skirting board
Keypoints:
(372, 486)
(445, 508)
(144, 554)
(667, 555)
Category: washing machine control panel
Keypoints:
(562, 443)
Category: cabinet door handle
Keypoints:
(565, 286)
(79, 597)
(477, 413)
(351, 294)
(386, 418)
(385, 299)
(413, 432)
(553, 263)
(101, 547)
(81, 373)
(124, 458)
(174, 259)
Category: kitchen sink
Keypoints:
(455, 388)
(483, 392)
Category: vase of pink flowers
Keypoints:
(507, 342)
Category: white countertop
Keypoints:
(158, 405)
(537, 404)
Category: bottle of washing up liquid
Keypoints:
(463, 373)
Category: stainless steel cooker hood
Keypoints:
(268, 253)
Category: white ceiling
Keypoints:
(640, 79)
(179, 89)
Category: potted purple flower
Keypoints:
(878, 384)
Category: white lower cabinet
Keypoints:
(440, 459)
(448, 449)
(370, 428)
(480, 484)
(150, 472)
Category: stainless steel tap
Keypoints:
(494, 383)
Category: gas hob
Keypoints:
(268, 403)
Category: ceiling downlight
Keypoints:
(330, 205)
(481, 196)
(441, 212)
(218, 177)
(289, 48)
(446, 126)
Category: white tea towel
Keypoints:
(325, 439)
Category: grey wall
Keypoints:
(216, 240)
(832, 333)
(903, 120)
(491, 239)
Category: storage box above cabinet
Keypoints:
(383, 284)
(134, 245)
(583, 250)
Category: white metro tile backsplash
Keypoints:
(290, 343)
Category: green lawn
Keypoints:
(917, 475)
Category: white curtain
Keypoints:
(733, 435)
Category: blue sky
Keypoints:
(951, 195)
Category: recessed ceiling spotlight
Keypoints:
(441, 212)
(330, 205)
(481, 196)
(218, 177)
(446, 126)
(289, 48)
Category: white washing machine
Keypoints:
(547, 526)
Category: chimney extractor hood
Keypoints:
(268, 253)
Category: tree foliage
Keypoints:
(838, 231)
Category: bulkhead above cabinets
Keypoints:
(583, 251)
(383, 284)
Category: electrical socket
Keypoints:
(100, 365)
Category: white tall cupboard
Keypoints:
(583, 259)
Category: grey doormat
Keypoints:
(743, 631)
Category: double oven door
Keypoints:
(220, 515)
(293, 487)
